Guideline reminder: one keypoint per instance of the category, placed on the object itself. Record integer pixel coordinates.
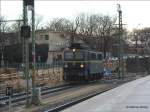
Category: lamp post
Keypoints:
(120, 50)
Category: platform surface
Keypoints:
(130, 97)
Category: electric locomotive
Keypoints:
(82, 64)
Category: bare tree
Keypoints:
(3, 24)
(59, 24)
(64, 25)
(97, 26)
(105, 26)
(3, 29)
(38, 21)
(142, 40)
(15, 27)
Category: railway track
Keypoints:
(76, 101)
(66, 95)
(73, 101)
(17, 97)
(69, 97)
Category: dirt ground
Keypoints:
(46, 77)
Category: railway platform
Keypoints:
(130, 97)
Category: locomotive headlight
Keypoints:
(74, 50)
(81, 65)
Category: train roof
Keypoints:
(82, 46)
(78, 46)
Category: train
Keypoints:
(82, 64)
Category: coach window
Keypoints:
(99, 56)
(89, 56)
(93, 56)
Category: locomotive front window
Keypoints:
(68, 55)
(78, 55)
(73, 55)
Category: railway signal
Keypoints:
(25, 31)
(9, 92)
(29, 2)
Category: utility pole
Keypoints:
(2, 39)
(121, 61)
(2, 46)
(26, 52)
(0, 32)
(136, 47)
(2, 43)
(35, 99)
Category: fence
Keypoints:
(19, 66)
(138, 64)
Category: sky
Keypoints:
(135, 14)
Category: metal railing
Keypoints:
(19, 66)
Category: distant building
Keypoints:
(56, 41)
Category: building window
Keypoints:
(41, 36)
(46, 37)
(62, 35)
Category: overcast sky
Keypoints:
(136, 14)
